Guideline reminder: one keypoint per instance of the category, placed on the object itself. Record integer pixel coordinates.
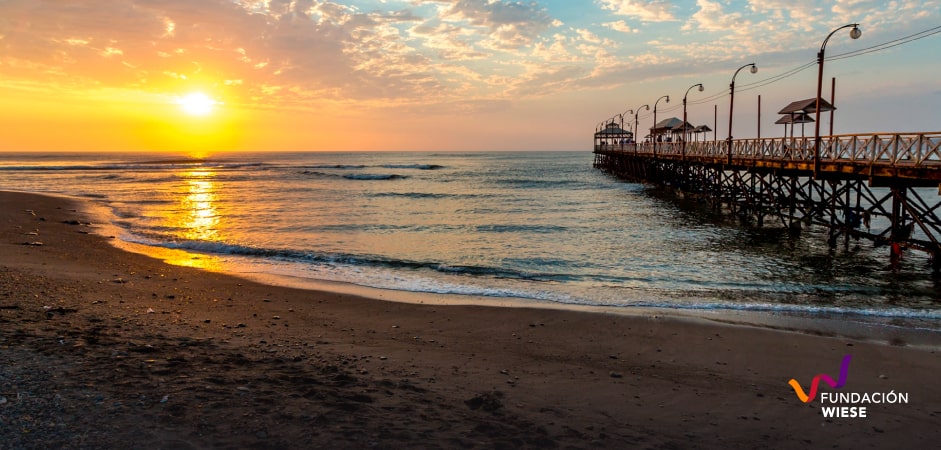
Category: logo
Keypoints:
(815, 384)
(844, 404)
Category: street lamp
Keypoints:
(855, 33)
(655, 122)
(647, 107)
(684, 116)
(754, 69)
(630, 111)
(599, 132)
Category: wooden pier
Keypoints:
(883, 187)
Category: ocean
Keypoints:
(541, 227)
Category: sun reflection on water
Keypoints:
(200, 220)
(182, 258)
(195, 219)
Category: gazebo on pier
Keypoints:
(791, 119)
(667, 126)
(701, 129)
(800, 111)
(677, 129)
(612, 136)
(808, 106)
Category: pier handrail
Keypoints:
(897, 149)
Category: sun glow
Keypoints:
(197, 104)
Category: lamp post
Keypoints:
(754, 69)
(630, 111)
(597, 135)
(601, 127)
(684, 115)
(611, 123)
(655, 122)
(855, 33)
(647, 107)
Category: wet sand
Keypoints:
(102, 348)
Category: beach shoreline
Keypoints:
(103, 348)
(888, 329)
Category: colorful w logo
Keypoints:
(844, 367)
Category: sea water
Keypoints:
(538, 226)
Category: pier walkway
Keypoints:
(873, 186)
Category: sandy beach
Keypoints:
(101, 348)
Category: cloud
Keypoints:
(621, 26)
(295, 53)
(797, 13)
(303, 50)
(322, 53)
(576, 45)
(540, 80)
(451, 42)
(644, 10)
(711, 16)
(508, 25)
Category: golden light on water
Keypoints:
(195, 217)
(186, 259)
(199, 220)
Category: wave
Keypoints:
(351, 227)
(425, 276)
(540, 183)
(220, 248)
(355, 176)
(153, 165)
(431, 195)
(413, 166)
(335, 166)
(50, 168)
(315, 173)
(892, 313)
(110, 176)
(375, 176)
(384, 166)
(538, 229)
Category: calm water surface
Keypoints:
(539, 226)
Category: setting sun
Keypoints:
(197, 104)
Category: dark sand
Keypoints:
(100, 348)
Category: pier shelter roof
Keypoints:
(807, 106)
(668, 125)
(798, 117)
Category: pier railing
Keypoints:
(901, 149)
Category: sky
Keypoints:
(444, 75)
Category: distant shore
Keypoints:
(101, 348)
